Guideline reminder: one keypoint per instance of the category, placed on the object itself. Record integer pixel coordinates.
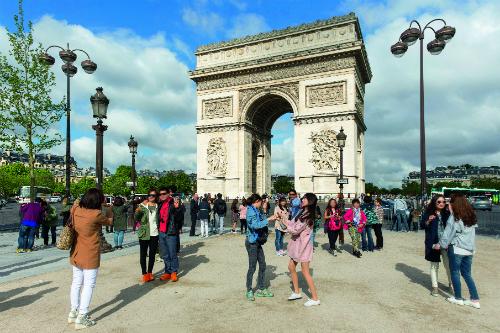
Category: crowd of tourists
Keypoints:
(158, 221)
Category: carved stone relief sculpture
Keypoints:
(218, 108)
(326, 94)
(325, 152)
(217, 157)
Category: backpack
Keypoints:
(262, 235)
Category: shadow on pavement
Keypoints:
(416, 275)
(19, 264)
(31, 266)
(25, 300)
(5, 295)
(189, 260)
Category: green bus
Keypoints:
(493, 194)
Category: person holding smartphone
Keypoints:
(256, 237)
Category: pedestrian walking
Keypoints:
(256, 237)
(459, 238)
(243, 216)
(85, 255)
(49, 223)
(355, 220)
(147, 232)
(120, 210)
(194, 209)
(281, 213)
(204, 213)
(434, 222)
(220, 208)
(333, 219)
(235, 215)
(377, 227)
(300, 248)
(31, 216)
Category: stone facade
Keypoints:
(315, 71)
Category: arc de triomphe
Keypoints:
(316, 71)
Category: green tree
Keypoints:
(371, 188)
(486, 183)
(12, 177)
(26, 109)
(282, 184)
(179, 179)
(117, 183)
(144, 183)
(82, 186)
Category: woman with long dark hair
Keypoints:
(459, 238)
(85, 255)
(300, 248)
(333, 219)
(235, 215)
(256, 237)
(434, 222)
(281, 212)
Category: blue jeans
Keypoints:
(278, 242)
(26, 237)
(462, 265)
(367, 234)
(401, 220)
(168, 251)
(119, 237)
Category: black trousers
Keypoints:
(243, 224)
(255, 254)
(152, 245)
(377, 228)
(109, 228)
(45, 234)
(193, 225)
(332, 238)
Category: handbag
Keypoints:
(67, 237)
(262, 235)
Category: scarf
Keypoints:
(164, 214)
(356, 216)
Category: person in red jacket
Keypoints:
(355, 221)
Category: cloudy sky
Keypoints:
(145, 48)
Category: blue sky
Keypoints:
(145, 48)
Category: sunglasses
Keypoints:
(152, 195)
(163, 193)
(440, 202)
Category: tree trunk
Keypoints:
(32, 167)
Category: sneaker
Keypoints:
(83, 321)
(250, 296)
(165, 277)
(28, 250)
(278, 253)
(72, 316)
(151, 277)
(174, 277)
(294, 296)
(311, 302)
(453, 300)
(19, 251)
(264, 293)
(474, 304)
(435, 292)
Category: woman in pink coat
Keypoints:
(355, 221)
(300, 248)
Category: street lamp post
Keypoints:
(68, 56)
(100, 104)
(408, 38)
(341, 137)
(132, 145)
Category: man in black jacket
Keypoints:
(194, 209)
(220, 209)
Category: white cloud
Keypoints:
(203, 21)
(247, 24)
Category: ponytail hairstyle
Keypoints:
(253, 199)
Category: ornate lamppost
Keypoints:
(408, 38)
(341, 137)
(68, 56)
(132, 146)
(100, 104)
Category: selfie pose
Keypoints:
(300, 248)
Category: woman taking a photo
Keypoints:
(459, 238)
(334, 225)
(300, 248)
(119, 221)
(434, 222)
(355, 221)
(147, 232)
(281, 212)
(256, 237)
(85, 255)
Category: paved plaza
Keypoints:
(382, 292)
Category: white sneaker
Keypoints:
(72, 316)
(474, 304)
(453, 300)
(311, 302)
(294, 296)
(83, 321)
(278, 253)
